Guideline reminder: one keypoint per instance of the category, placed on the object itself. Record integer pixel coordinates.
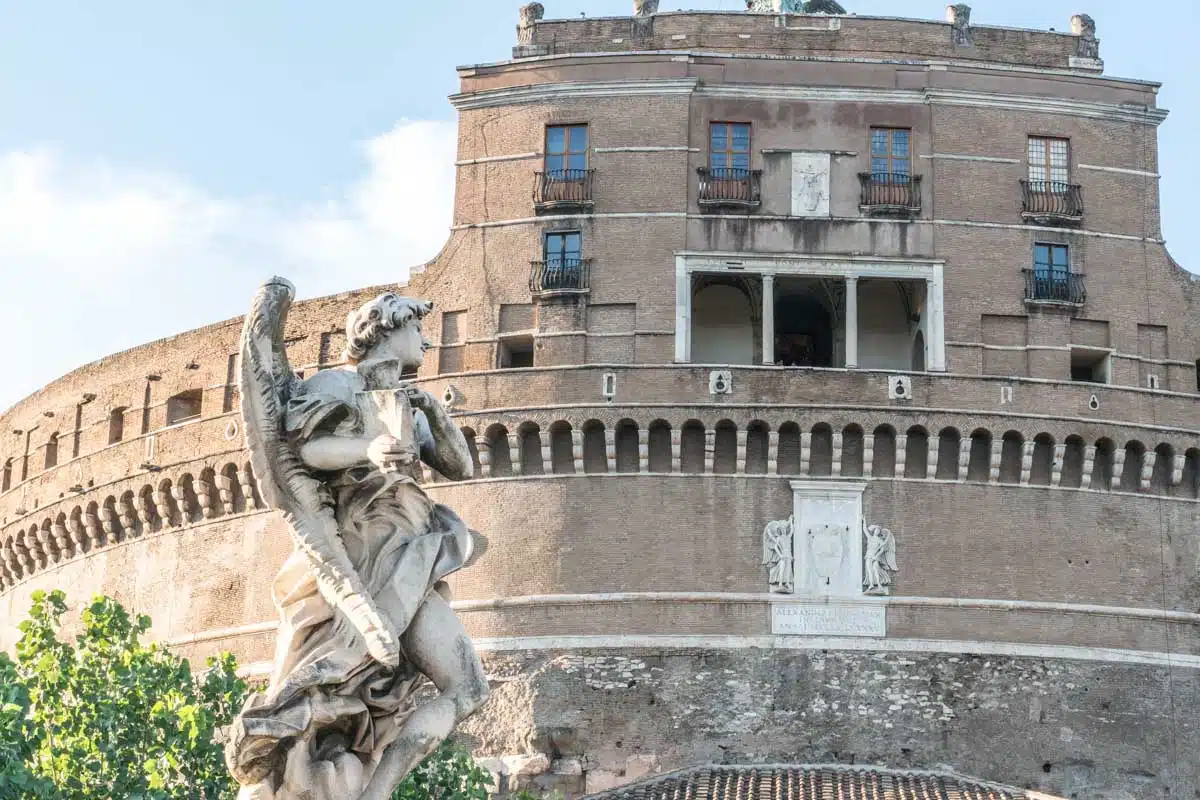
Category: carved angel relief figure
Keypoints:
(362, 603)
(779, 555)
(879, 559)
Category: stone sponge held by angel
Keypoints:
(363, 606)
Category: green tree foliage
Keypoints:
(108, 716)
(18, 738)
(449, 773)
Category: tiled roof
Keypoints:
(837, 782)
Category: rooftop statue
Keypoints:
(645, 8)
(794, 7)
(363, 608)
(528, 16)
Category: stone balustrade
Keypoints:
(634, 440)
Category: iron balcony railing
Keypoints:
(730, 188)
(560, 275)
(1051, 201)
(890, 194)
(563, 188)
(1054, 286)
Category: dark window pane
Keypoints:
(741, 161)
(1041, 255)
(573, 243)
(556, 139)
(555, 164)
(720, 161)
(577, 161)
(900, 143)
(900, 165)
(1060, 256)
(879, 165)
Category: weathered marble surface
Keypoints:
(362, 603)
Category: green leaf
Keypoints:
(110, 716)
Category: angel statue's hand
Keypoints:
(419, 398)
(388, 453)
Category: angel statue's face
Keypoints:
(404, 344)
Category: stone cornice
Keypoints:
(540, 93)
(549, 92)
(835, 643)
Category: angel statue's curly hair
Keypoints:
(366, 326)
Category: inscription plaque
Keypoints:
(828, 619)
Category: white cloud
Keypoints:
(398, 215)
(95, 258)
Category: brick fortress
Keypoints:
(709, 271)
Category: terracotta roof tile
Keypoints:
(833, 782)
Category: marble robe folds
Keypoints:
(327, 694)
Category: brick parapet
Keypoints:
(814, 36)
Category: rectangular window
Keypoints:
(516, 352)
(1090, 366)
(566, 149)
(563, 248)
(729, 146)
(452, 327)
(891, 153)
(1051, 262)
(1049, 164)
(184, 406)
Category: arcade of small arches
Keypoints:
(71, 529)
(191, 495)
(821, 450)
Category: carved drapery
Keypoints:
(527, 24)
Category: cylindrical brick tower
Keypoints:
(898, 286)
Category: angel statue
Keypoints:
(778, 555)
(880, 558)
(363, 606)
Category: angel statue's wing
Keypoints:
(889, 553)
(770, 551)
(266, 381)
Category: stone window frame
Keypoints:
(1046, 156)
(187, 405)
(567, 152)
(729, 153)
(890, 157)
(562, 255)
(1050, 265)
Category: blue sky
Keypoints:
(157, 160)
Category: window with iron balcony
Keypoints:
(1048, 197)
(728, 182)
(1051, 280)
(890, 189)
(562, 269)
(565, 182)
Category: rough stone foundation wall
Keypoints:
(586, 720)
